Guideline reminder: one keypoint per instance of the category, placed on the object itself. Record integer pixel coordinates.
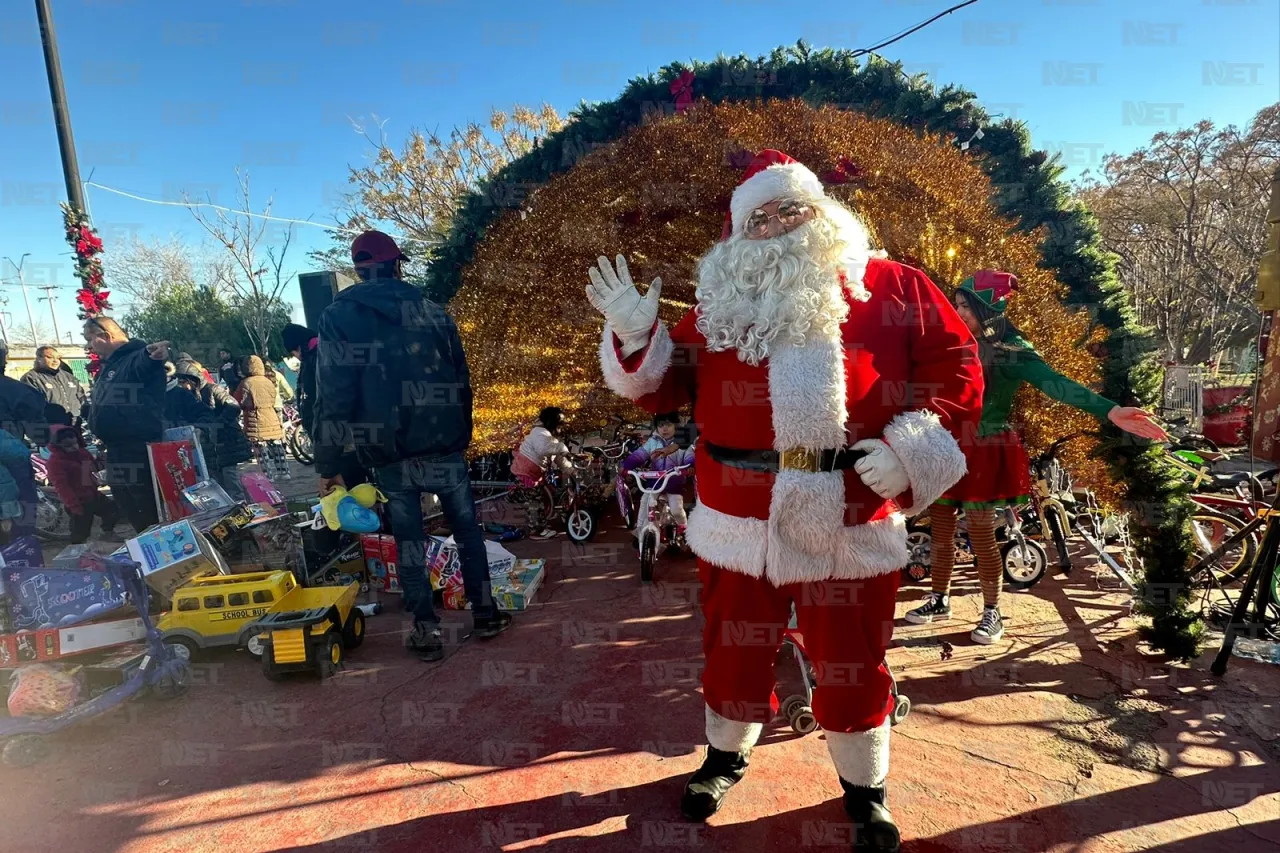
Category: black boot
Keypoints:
(706, 789)
(874, 829)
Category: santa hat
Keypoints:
(772, 175)
(991, 287)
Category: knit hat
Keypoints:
(771, 176)
(991, 288)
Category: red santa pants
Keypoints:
(845, 625)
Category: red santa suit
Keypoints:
(902, 368)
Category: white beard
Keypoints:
(783, 290)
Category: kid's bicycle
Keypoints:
(657, 527)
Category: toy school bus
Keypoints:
(220, 610)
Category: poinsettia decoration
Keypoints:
(91, 299)
(84, 239)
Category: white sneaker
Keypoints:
(990, 628)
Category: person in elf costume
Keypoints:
(829, 387)
(998, 467)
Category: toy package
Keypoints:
(172, 554)
(51, 598)
(511, 591)
(43, 691)
(22, 551)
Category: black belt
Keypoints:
(773, 461)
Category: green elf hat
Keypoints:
(991, 288)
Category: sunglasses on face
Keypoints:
(790, 213)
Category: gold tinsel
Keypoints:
(658, 195)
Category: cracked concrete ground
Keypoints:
(575, 730)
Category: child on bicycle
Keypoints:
(541, 444)
(662, 453)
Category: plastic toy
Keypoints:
(220, 610)
(367, 494)
(340, 510)
(321, 626)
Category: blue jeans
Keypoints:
(445, 477)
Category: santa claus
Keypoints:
(829, 387)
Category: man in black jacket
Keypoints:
(303, 344)
(392, 381)
(62, 392)
(126, 410)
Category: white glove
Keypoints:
(615, 296)
(881, 469)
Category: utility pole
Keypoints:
(22, 280)
(48, 295)
(4, 300)
(61, 115)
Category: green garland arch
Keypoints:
(1028, 189)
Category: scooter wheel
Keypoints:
(803, 722)
(791, 706)
(901, 708)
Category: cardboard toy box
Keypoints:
(514, 591)
(380, 559)
(50, 598)
(172, 554)
(51, 644)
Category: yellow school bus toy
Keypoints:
(221, 610)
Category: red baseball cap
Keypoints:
(374, 247)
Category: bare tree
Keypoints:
(415, 190)
(1187, 217)
(140, 270)
(257, 279)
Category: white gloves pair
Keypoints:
(615, 296)
(632, 316)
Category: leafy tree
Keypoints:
(414, 192)
(1186, 215)
(198, 321)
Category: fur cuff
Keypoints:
(744, 545)
(647, 376)
(861, 758)
(930, 453)
(730, 735)
(727, 541)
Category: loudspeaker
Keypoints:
(318, 290)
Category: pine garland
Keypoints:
(1028, 188)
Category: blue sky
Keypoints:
(167, 97)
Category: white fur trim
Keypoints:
(745, 545)
(861, 758)
(788, 180)
(806, 512)
(808, 388)
(727, 541)
(647, 377)
(931, 455)
(730, 735)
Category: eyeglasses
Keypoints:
(790, 213)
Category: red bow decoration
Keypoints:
(682, 90)
(845, 172)
(1001, 284)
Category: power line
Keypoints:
(190, 204)
(920, 26)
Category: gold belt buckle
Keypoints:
(799, 459)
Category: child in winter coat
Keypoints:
(71, 473)
(539, 446)
(662, 453)
(257, 397)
